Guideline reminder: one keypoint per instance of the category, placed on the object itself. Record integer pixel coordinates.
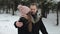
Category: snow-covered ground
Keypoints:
(7, 24)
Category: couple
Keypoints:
(30, 23)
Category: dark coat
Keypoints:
(35, 27)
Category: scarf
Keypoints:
(36, 17)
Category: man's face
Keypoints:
(33, 8)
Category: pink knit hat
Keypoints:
(23, 9)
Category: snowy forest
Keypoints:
(9, 14)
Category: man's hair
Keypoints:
(33, 4)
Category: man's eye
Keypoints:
(32, 9)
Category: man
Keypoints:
(37, 23)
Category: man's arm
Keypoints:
(42, 28)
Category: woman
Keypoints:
(24, 26)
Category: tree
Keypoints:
(58, 9)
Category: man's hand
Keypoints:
(19, 24)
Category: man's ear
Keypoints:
(36, 9)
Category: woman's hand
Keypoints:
(19, 24)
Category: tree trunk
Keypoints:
(57, 18)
